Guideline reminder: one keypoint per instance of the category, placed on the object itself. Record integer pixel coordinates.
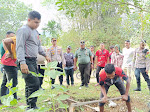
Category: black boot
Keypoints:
(33, 106)
(138, 88)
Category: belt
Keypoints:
(34, 58)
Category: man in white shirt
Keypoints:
(128, 57)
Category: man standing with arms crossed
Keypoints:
(27, 47)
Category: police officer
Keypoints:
(27, 48)
(84, 56)
(55, 54)
(69, 57)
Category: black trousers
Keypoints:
(97, 73)
(9, 74)
(61, 76)
(69, 74)
(85, 72)
(32, 82)
(41, 71)
(145, 75)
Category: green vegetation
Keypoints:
(95, 21)
(12, 15)
(139, 100)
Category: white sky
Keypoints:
(48, 14)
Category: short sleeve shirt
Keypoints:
(102, 57)
(83, 55)
(118, 73)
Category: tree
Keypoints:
(106, 21)
(12, 14)
(72, 7)
(52, 29)
(96, 28)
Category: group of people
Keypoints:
(25, 52)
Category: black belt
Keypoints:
(33, 58)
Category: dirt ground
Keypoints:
(136, 103)
(137, 106)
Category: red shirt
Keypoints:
(8, 61)
(102, 57)
(118, 73)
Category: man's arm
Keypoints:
(75, 60)
(75, 63)
(92, 64)
(147, 63)
(104, 93)
(125, 96)
(42, 52)
(124, 76)
(133, 60)
(103, 90)
(127, 86)
(21, 38)
(96, 58)
(4, 46)
(7, 45)
(91, 57)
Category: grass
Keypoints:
(84, 94)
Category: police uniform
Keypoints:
(56, 54)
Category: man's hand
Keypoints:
(146, 71)
(24, 68)
(75, 68)
(9, 55)
(104, 99)
(95, 66)
(124, 97)
(47, 59)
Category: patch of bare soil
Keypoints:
(137, 106)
